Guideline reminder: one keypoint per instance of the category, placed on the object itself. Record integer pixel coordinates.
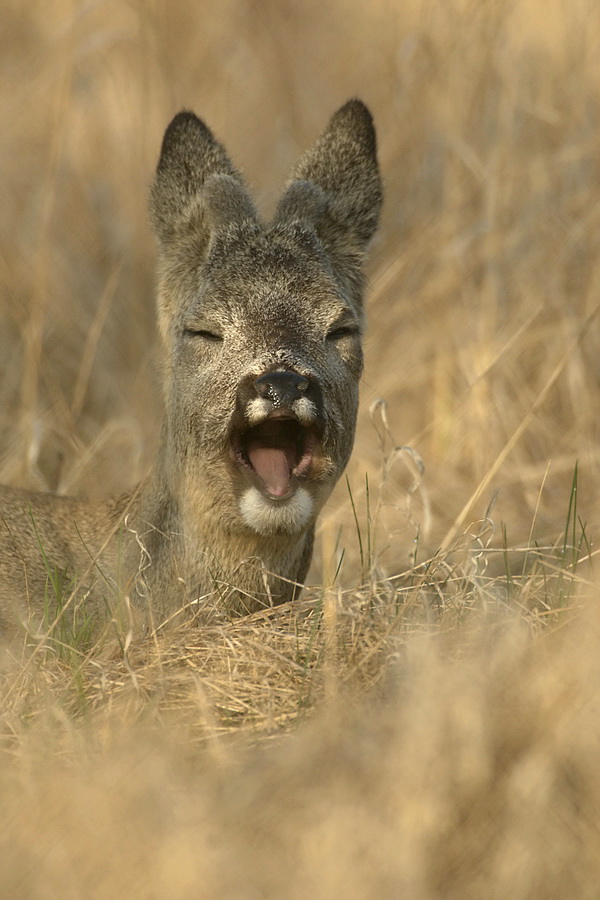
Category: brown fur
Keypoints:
(237, 301)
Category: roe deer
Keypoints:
(261, 332)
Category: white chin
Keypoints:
(271, 516)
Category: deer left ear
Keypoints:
(336, 189)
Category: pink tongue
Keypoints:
(273, 465)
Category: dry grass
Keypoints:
(448, 673)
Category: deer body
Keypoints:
(261, 329)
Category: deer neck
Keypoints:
(206, 554)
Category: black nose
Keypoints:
(282, 388)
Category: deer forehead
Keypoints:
(263, 265)
(269, 306)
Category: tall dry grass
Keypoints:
(450, 668)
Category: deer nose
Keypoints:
(282, 388)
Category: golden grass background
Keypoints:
(464, 766)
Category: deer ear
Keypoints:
(196, 193)
(189, 157)
(227, 202)
(336, 188)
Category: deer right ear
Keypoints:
(196, 193)
(190, 154)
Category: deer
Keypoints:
(261, 329)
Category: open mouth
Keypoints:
(277, 451)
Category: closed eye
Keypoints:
(204, 335)
(341, 331)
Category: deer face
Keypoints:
(264, 378)
(262, 325)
